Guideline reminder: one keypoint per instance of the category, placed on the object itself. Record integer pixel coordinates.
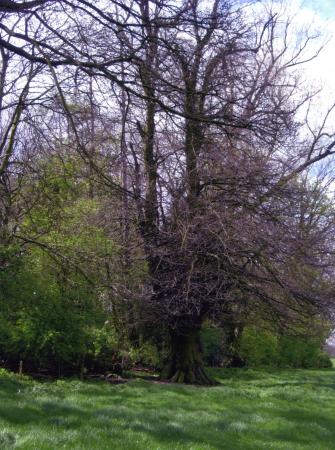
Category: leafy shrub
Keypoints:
(263, 348)
(146, 355)
(297, 352)
(106, 351)
(324, 361)
(259, 347)
(43, 321)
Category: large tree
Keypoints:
(204, 101)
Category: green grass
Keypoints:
(251, 409)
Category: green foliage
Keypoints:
(8, 255)
(52, 324)
(302, 352)
(212, 338)
(324, 361)
(42, 322)
(146, 355)
(263, 348)
(106, 350)
(259, 347)
(51, 313)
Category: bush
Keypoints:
(263, 348)
(324, 361)
(146, 355)
(259, 347)
(297, 352)
(43, 321)
(106, 352)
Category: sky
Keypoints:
(325, 8)
(322, 14)
(319, 17)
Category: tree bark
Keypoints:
(233, 333)
(185, 364)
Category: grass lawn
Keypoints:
(251, 409)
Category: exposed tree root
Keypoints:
(185, 363)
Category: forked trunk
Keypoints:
(185, 363)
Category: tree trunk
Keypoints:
(185, 364)
(233, 332)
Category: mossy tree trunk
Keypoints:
(185, 364)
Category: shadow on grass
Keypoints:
(164, 415)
